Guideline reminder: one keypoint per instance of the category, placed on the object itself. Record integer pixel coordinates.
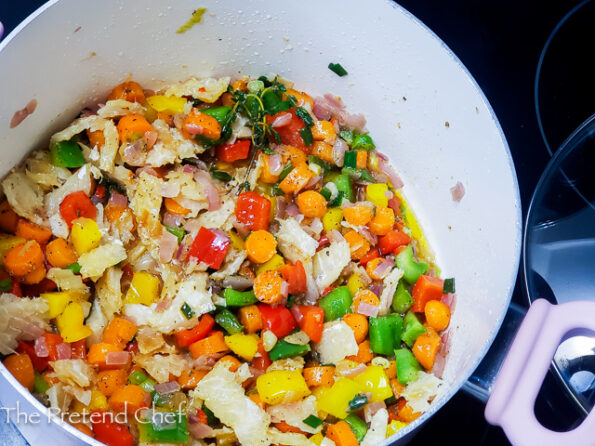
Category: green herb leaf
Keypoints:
(288, 168)
(337, 69)
(307, 136)
(449, 286)
(268, 150)
(5, 285)
(221, 175)
(187, 311)
(306, 117)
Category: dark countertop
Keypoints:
(500, 42)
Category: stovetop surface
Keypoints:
(500, 42)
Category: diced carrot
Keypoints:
(396, 387)
(129, 91)
(255, 397)
(426, 289)
(189, 379)
(383, 221)
(359, 324)
(406, 413)
(296, 179)
(366, 296)
(201, 123)
(265, 175)
(324, 131)
(301, 98)
(234, 363)
(59, 253)
(391, 371)
(119, 332)
(358, 215)
(133, 127)
(260, 246)
(341, 434)
(323, 150)
(129, 398)
(312, 204)
(97, 352)
(425, 348)
(84, 429)
(251, 318)
(319, 376)
(167, 117)
(173, 207)
(268, 286)
(358, 245)
(361, 159)
(437, 315)
(24, 259)
(239, 84)
(371, 267)
(294, 155)
(96, 138)
(209, 345)
(108, 381)
(364, 353)
(284, 427)
(34, 276)
(21, 367)
(8, 218)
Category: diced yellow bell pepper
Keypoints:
(336, 400)
(222, 165)
(98, 401)
(57, 301)
(394, 427)
(70, 323)
(79, 407)
(375, 381)
(8, 242)
(282, 386)
(236, 241)
(144, 289)
(317, 438)
(332, 219)
(276, 262)
(376, 194)
(354, 283)
(162, 103)
(85, 235)
(243, 345)
(273, 210)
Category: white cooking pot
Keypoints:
(424, 111)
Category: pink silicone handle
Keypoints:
(512, 402)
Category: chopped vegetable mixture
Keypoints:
(223, 263)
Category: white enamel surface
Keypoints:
(389, 56)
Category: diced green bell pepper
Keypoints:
(137, 377)
(272, 102)
(385, 333)
(284, 349)
(148, 385)
(347, 136)
(164, 427)
(407, 366)
(343, 183)
(412, 328)
(40, 385)
(336, 304)
(363, 142)
(66, 154)
(402, 299)
(235, 298)
(411, 269)
(357, 425)
(227, 320)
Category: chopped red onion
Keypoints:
(389, 194)
(335, 236)
(166, 388)
(238, 282)
(371, 238)
(172, 220)
(350, 121)
(394, 204)
(194, 129)
(457, 191)
(147, 169)
(151, 138)
(332, 101)
(242, 229)
(367, 310)
(63, 351)
(292, 210)
(391, 174)
(199, 430)
(284, 289)
(370, 409)
(20, 115)
(189, 168)
(282, 120)
(274, 164)
(117, 199)
(383, 268)
(339, 149)
(204, 178)
(449, 300)
(313, 182)
(170, 190)
(382, 156)
(168, 245)
(163, 305)
(281, 207)
(117, 358)
(376, 289)
(134, 154)
(41, 348)
(353, 371)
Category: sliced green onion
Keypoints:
(74, 267)
(268, 150)
(350, 159)
(449, 285)
(276, 190)
(187, 311)
(337, 68)
(338, 199)
(325, 193)
(313, 421)
(5, 285)
(306, 133)
(322, 163)
(255, 86)
(285, 171)
(358, 401)
(178, 232)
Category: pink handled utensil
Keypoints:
(511, 404)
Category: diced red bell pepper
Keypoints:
(201, 416)
(51, 341)
(210, 246)
(327, 290)
(186, 337)
(108, 431)
(39, 364)
(322, 242)
(263, 361)
(79, 349)
(76, 205)
(239, 150)
(370, 255)
(36, 289)
(277, 319)
(290, 133)
(100, 192)
(253, 210)
(310, 319)
(132, 347)
(426, 289)
(391, 241)
(295, 275)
